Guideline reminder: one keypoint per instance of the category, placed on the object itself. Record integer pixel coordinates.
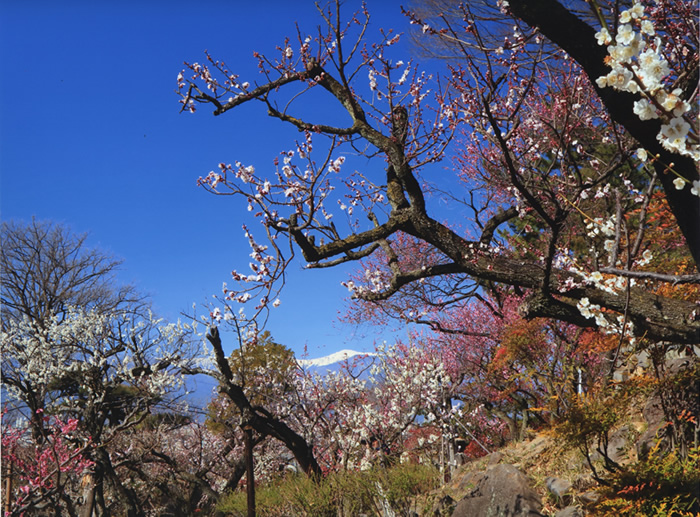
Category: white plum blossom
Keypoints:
(638, 66)
(335, 165)
(80, 341)
(645, 110)
(585, 308)
(625, 34)
(603, 37)
(672, 102)
(673, 135)
(372, 80)
(695, 190)
(652, 69)
(679, 183)
(646, 258)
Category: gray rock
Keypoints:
(654, 416)
(570, 511)
(557, 486)
(618, 445)
(494, 458)
(589, 497)
(501, 491)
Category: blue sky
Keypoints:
(91, 136)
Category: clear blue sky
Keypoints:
(91, 136)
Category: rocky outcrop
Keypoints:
(500, 491)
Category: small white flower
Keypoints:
(625, 34)
(603, 37)
(696, 188)
(642, 154)
(372, 80)
(620, 78)
(653, 68)
(673, 134)
(645, 110)
(679, 183)
(636, 11)
(647, 27)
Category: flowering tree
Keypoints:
(362, 412)
(48, 475)
(45, 269)
(178, 465)
(103, 366)
(541, 155)
(257, 418)
(645, 71)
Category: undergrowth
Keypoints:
(339, 494)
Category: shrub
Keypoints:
(587, 425)
(663, 485)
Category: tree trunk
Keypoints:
(88, 496)
(249, 470)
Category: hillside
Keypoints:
(549, 475)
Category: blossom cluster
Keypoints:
(638, 66)
(55, 465)
(93, 350)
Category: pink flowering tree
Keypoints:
(547, 171)
(48, 476)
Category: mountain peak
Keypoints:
(335, 357)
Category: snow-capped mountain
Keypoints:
(203, 387)
(361, 362)
(333, 358)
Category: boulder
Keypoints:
(591, 497)
(500, 491)
(557, 487)
(444, 506)
(655, 419)
(618, 445)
